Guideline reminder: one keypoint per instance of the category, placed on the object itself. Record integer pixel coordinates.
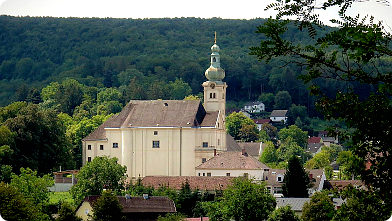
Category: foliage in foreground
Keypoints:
(101, 173)
(242, 200)
(284, 213)
(107, 207)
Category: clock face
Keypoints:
(212, 86)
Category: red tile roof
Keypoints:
(195, 182)
(262, 121)
(314, 140)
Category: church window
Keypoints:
(101, 147)
(88, 147)
(155, 132)
(208, 174)
(227, 174)
(204, 174)
(214, 59)
(205, 144)
(155, 144)
(199, 174)
(203, 160)
(223, 96)
(89, 159)
(213, 95)
(115, 145)
(86, 211)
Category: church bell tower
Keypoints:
(215, 88)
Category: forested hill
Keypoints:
(35, 51)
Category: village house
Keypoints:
(260, 122)
(235, 164)
(279, 116)
(134, 208)
(254, 107)
(252, 148)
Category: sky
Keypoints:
(247, 9)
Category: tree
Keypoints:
(248, 133)
(234, 123)
(69, 95)
(288, 149)
(299, 136)
(272, 131)
(15, 206)
(361, 205)
(33, 187)
(172, 217)
(39, 142)
(296, 179)
(295, 112)
(268, 100)
(101, 173)
(179, 89)
(67, 213)
(269, 154)
(246, 200)
(107, 207)
(350, 165)
(319, 208)
(284, 213)
(187, 199)
(319, 161)
(349, 54)
(282, 100)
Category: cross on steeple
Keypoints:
(215, 37)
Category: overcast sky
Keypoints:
(247, 9)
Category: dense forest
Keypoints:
(35, 51)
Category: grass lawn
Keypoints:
(56, 197)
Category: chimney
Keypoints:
(214, 152)
(243, 152)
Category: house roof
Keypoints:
(232, 161)
(339, 184)
(155, 204)
(158, 113)
(261, 121)
(314, 140)
(329, 139)
(315, 174)
(314, 147)
(195, 182)
(295, 203)
(252, 148)
(279, 113)
(232, 145)
(253, 103)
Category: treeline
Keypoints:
(36, 51)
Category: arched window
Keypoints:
(214, 59)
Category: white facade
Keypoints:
(255, 174)
(254, 107)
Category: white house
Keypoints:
(279, 116)
(254, 107)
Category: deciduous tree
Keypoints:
(107, 207)
(284, 213)
(319, 208)
(101, 173)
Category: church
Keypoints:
(165, 137)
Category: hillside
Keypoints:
(36, 51)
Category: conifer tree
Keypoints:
(296, 180)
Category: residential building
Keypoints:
(134, 208)
(233, 164)
(279, 116)
(254, 107)
(260, 122)
(275, 180)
